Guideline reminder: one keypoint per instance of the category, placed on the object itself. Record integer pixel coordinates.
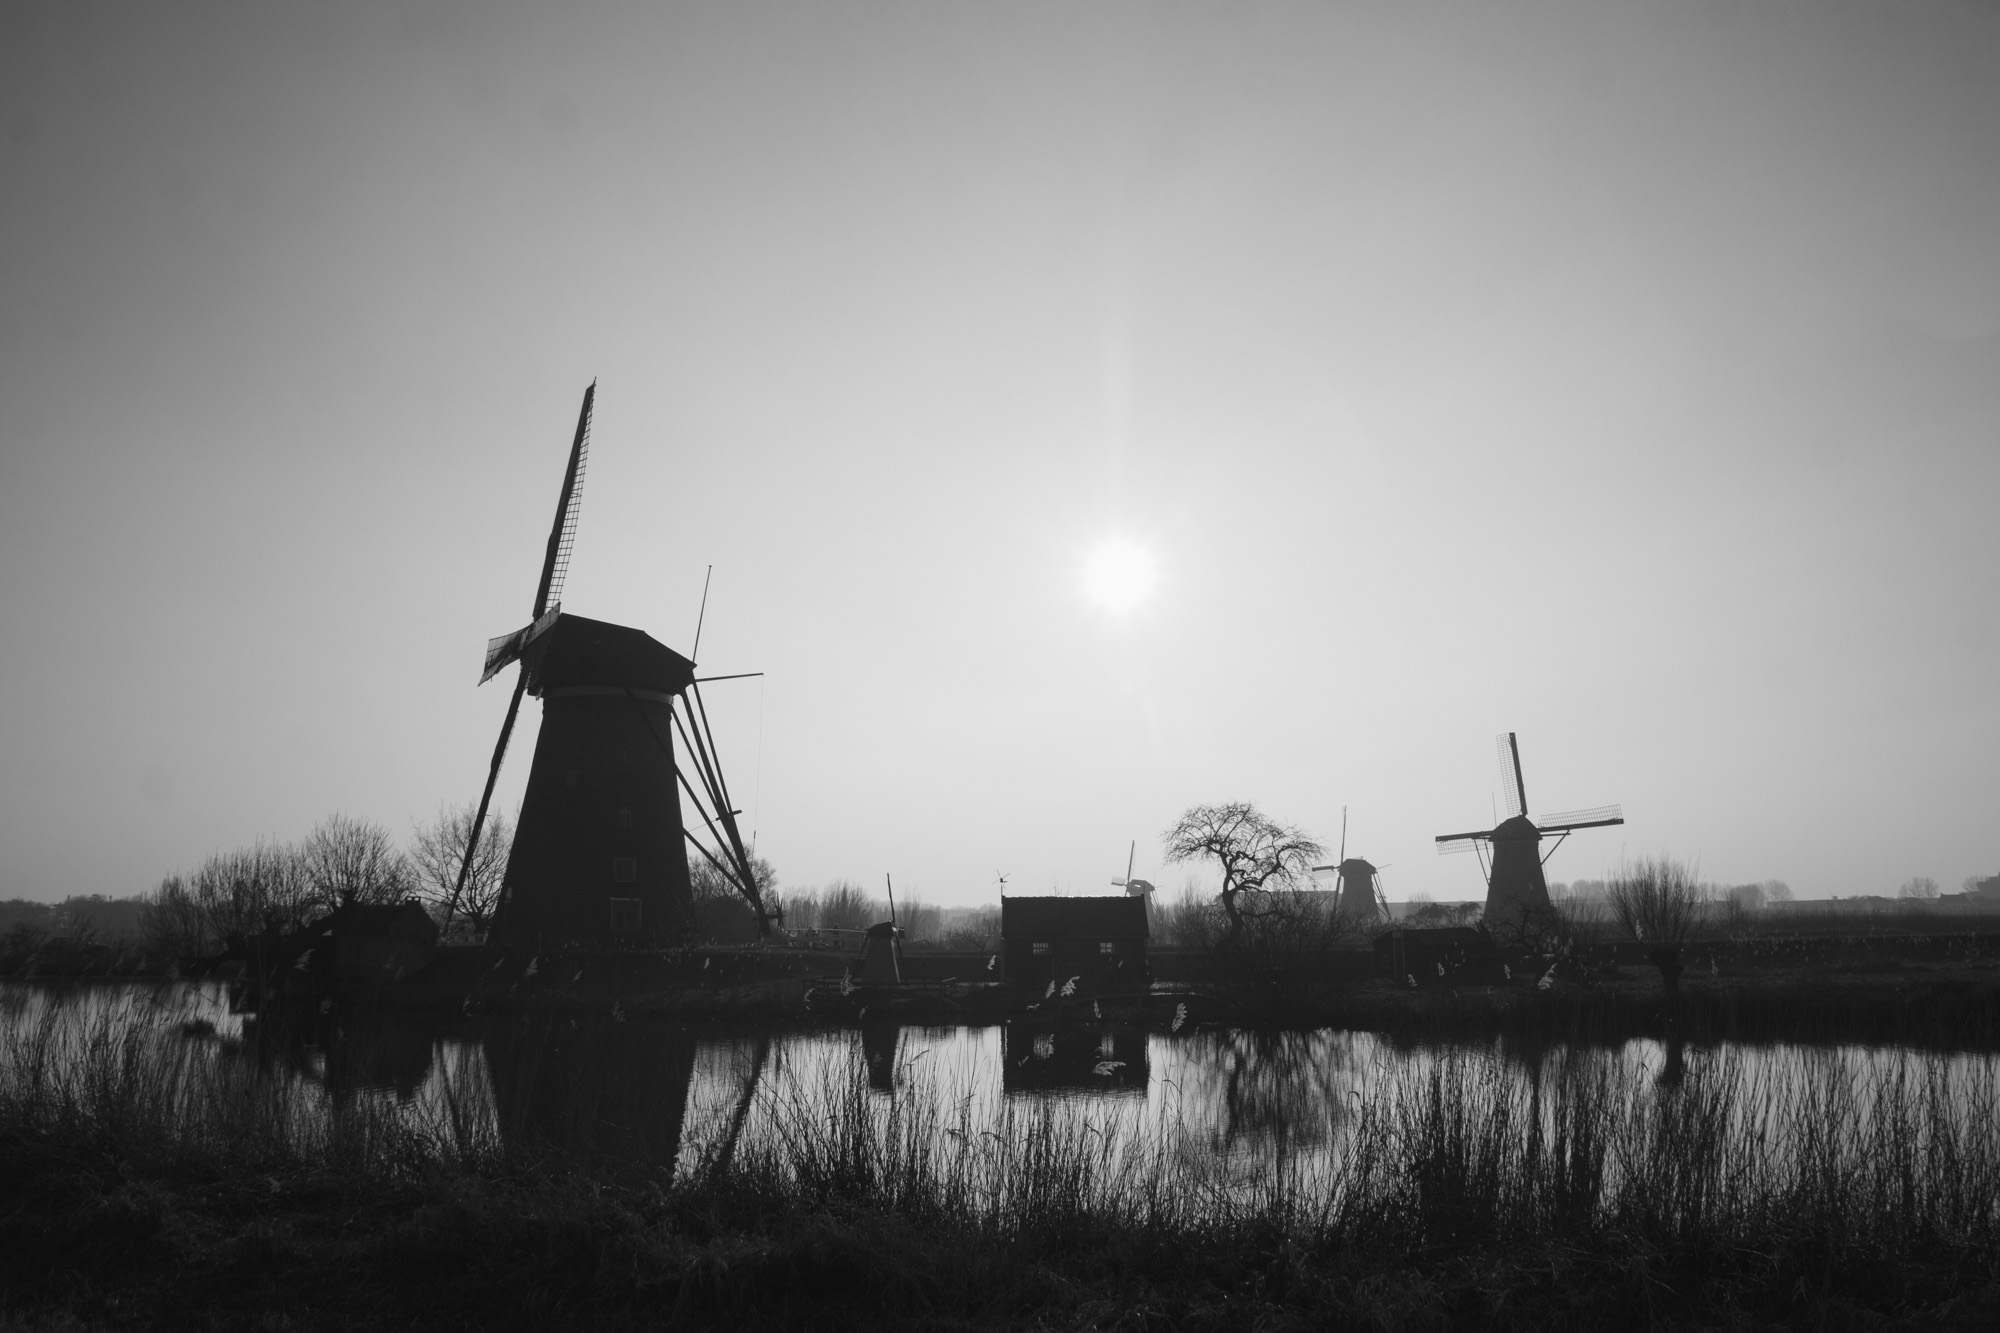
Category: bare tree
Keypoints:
(845, 903)
(1257, 855)
(1430, 915)
(173, 921)
(969, 929)
(439, 851)
(720, 913)
(1193, 920)
(918, 920)
(260, 887)
(1661, 904)
(1918, 887)
(348, 860)
(1777, 891)
(230, 895)
(1746, 898)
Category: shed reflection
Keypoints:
(1108, 1059)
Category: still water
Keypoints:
(1243, 1104)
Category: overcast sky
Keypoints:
(1625, 376)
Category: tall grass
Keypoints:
(1844, 1154)
(139, 1078)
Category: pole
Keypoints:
(703, 613)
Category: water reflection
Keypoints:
(879, 1044)
(589, 1087)
(350, 1055)
(1275, 1090)
(1102, 1059)
(1246, 1105)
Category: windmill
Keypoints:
(600, 848)
(1359, 895)
(1516, 892)
(1134, 888)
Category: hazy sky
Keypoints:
(1626, 376)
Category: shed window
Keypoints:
(624, 870)
(1106, 948)
(1041, 948)
(624, 816)
(625, 916)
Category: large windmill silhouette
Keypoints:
(1517, 894)
(600, 849)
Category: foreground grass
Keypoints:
(145, 1183)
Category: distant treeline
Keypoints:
(95, 919)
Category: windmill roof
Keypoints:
(1048, 918)
(580, 651)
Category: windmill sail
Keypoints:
(508, 648)
(1595, 817)
(1517, 894)
(562, 537)
(1510, 774)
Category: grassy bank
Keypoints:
(145, 1182)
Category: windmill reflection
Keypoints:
(590, 1087)
(1108, 1059)
(880, 1044)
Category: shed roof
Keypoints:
(375, 919)
(1095, 918)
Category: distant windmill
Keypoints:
(1134, 888)
(600, 847)
(1359, 895)
(1516, 891)
(1001, 880)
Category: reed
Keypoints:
(1835, 1181)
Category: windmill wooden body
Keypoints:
(1358, 894)
(600, 851)
(1517, 893)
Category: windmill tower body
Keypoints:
(599, 854)
(1358, 899)
(1517, 890)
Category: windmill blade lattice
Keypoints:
(1510, 774)
(562, 538)
(1596, 815)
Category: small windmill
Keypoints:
(1516, 891)
(1359, 895)
(600, 849)
(1134, 888)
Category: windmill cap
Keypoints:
(1520, 826)
(580, 651)
(1354, 865)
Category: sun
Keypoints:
(1120, 575)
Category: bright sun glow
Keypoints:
(1119, 575)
